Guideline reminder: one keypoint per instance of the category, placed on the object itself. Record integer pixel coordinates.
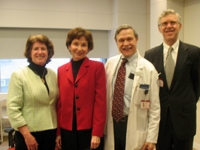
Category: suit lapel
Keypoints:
(158, 59)
(158, 62)
(181, 58)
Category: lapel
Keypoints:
(69, 73)
(113, 71)
(82, 71)
(138, 71)
(181, 58)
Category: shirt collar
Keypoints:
(131, 58)
(174, 46)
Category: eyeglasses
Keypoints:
(172, 23)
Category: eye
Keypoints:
(43, 48)
(164, 24)
(35, 48)
(129, 39)
(121, 40)
(84, 45)
(75, 43)
(173, 22)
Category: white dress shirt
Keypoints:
(174, 53)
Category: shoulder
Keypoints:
(51, 71)
(147, 65)
(95, 63)
(64, 66)
(189, 46)
(20, 71)
(154, 49)
(113, 59)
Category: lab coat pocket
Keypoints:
(141, 94)
(141, 137)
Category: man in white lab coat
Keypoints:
(138, 127)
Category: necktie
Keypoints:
(118, 98)
(169, 67)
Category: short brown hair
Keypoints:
(77, 33)
(125, 26)
(42, 39)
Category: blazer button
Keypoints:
(78, 108)
(75, 85)
(77, 97)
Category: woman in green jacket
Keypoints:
(32, 98)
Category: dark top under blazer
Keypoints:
(184, 93)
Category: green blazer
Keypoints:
(29, 102)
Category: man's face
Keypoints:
(169, 27)
(126, 42)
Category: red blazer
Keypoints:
(89, 94)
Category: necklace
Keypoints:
(41, 77)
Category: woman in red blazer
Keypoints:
(82, 98)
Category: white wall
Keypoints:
(192, 22)
(62, 14)
(13, 40)
(192, 36)
(134, 13)
(54, 18)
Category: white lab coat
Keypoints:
(143, 124)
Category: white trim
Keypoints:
(196, 146)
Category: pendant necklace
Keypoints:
(41, 77)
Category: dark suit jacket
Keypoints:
(88, 92)
(184, 93)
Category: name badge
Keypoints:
(145, 104)
(160, 83)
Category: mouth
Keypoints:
(169, 31)
(40, 57)
(127, 48)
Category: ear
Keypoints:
(69, 48)
(180, 26)
(159, 28)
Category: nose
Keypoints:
(40, 50)
(79, 48)
(169, 24)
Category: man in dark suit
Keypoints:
(178, 95)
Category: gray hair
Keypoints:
(122, 27)
(167, 12)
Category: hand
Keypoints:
(29, 139)
(31, 143)
(148, 146)
(58, 141)
(95, 142)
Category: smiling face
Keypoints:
(79, 48)
(39, 53)
(127, 42)
(169, 27)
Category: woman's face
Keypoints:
(79, 48)
(39, 53)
